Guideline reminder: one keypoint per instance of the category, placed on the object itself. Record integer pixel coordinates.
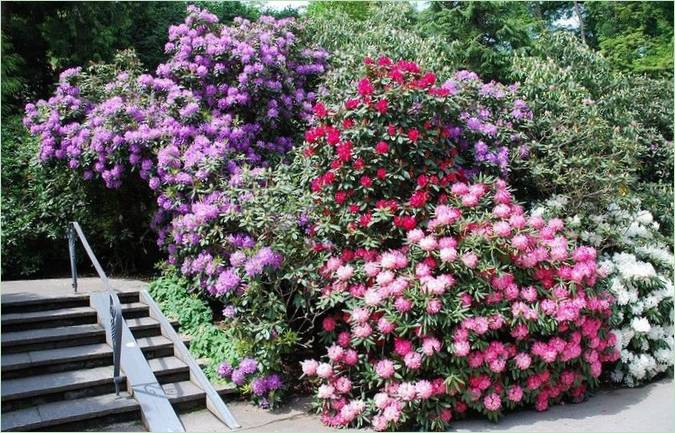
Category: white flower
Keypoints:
(644, 217)
(640, 324)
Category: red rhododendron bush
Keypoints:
(441, 295)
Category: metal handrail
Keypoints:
(116, 319)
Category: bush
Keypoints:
(228, 98)
(38, 202)
(592, 140)
(375, 170)
(638, 266)
(450, 297)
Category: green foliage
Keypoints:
(592, 141)
(38, 202)
(356, 10)
(195, 318)
(633, 36)
(388, 30)
(482, 35)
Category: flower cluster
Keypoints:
(376, 171)
(638, 266)
(262, 386)
(484, 307)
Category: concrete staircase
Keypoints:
(57, 369)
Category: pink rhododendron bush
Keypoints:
(441, 295)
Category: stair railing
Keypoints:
(116, 319)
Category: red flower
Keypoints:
(381, 173)
(328, 178)
(340, 197)
(353, 208)
(405, 222)
(347, 255)
(365, 219)
(419, 199)
(391, 129)
(384, 61)
(364, 87)
(413, 135)
(336, 164)
(429, 261)
(351, 104)
(397, 76)
(308, 151)
(320, 110)
(382, 147)
(382, 105)
(366, 181)
(359, 164)
(422, 181)
(333, 136)
(344, 151)
(347, 123)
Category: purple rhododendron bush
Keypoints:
(444, 295)
(229, 99)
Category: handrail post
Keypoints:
(71, 250)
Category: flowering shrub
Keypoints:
(441, 293)
(638, 264)
(227, 98)
(377, 171)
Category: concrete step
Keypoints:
(76, 335)
(24, 364)
(13, 303)
(46, 388)
(63, 317)
(47, 415)
(49, 338)
(186, 395)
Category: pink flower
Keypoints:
(344, 273)
(350, 357)
(326, 391)
(428, 243)
(333, 263)
(344, 338)
(324, 370)
(462, 348)
(515, 393)
(403, 305)
(423, 389)
(379, 423)
(519, 242)
(385, 277)
(309, 367)
(470, 260)
(381, 400)
(392, 413)
(492, 402)
(363, 331)
(407, 391)
(434, 306)
(328, 324)
(384, 368)
(430, 345)
(402, 346)
(502, 229)
(335, 352)
(523, 360)
(343, 385)
(413, 360)
(448, 254)
(360, 315)
(415, 235)
(371, 269)
(385, 326)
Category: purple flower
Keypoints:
(238, 376)
(225, 370)
(248, 365)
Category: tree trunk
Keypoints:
(577, 10)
